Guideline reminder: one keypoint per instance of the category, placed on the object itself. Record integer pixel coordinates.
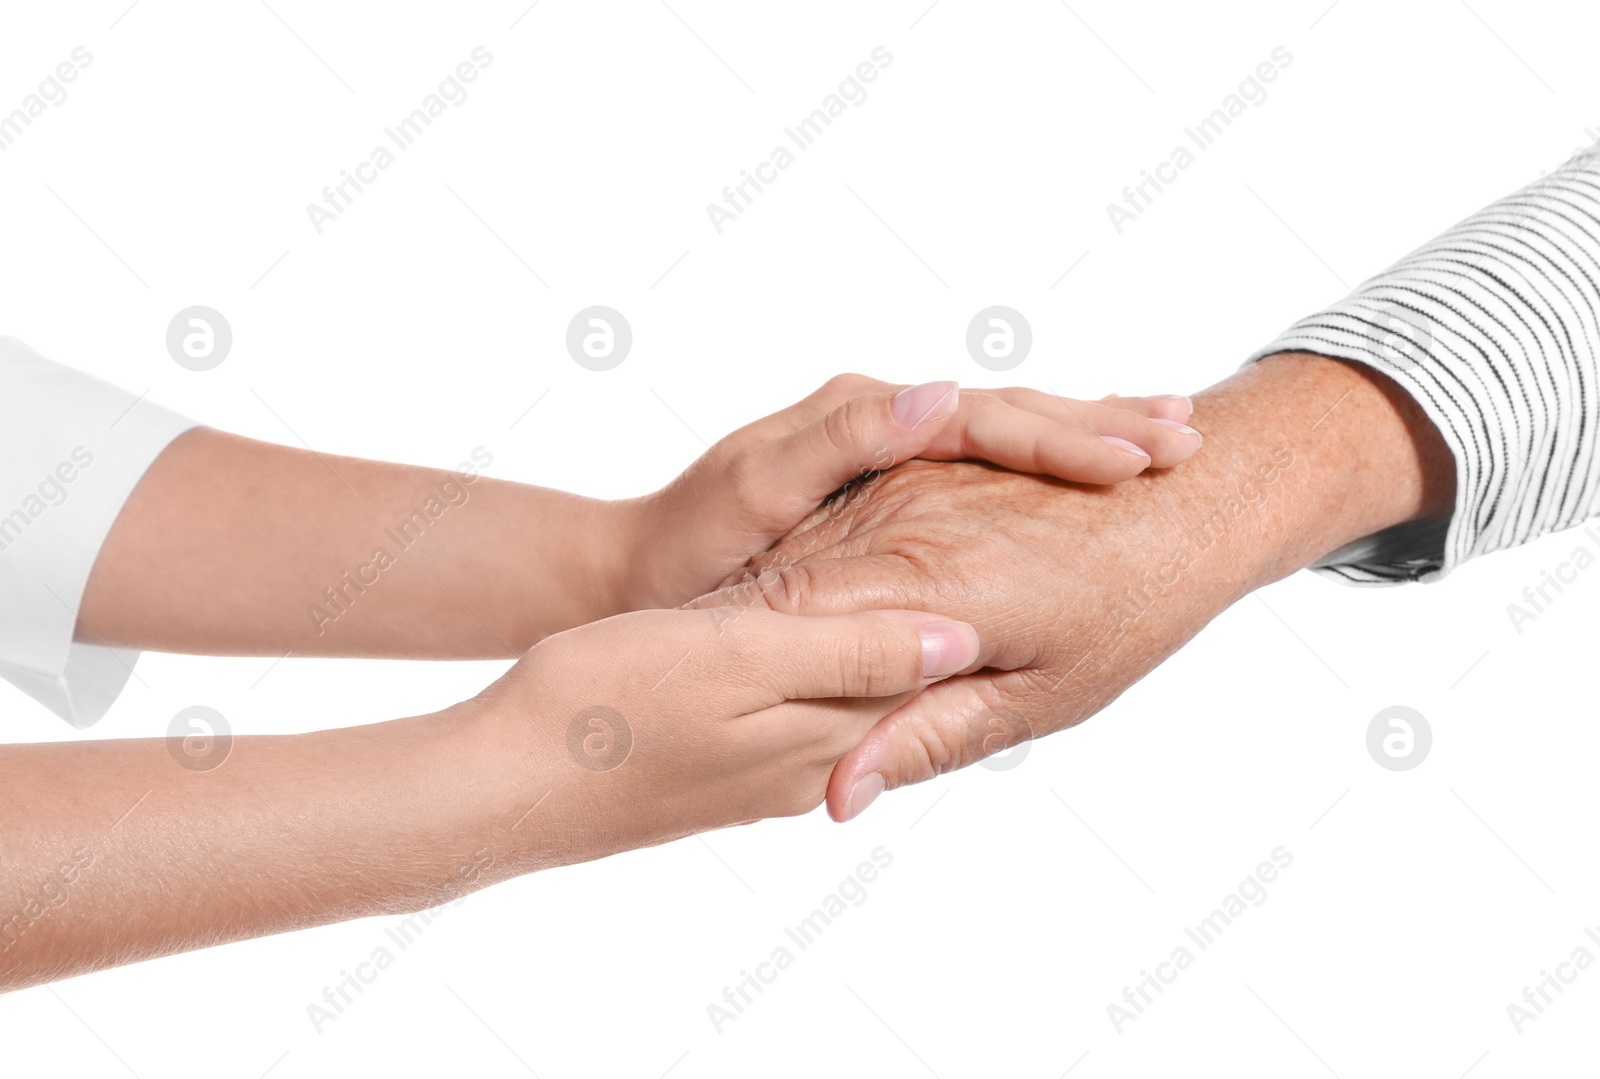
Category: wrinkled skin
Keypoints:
(753, 485)
(1077, 592)
(1041, 568)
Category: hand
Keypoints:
(631, 731)
(650, 726)
(1078, 592)
(506, 564)
(758, 482)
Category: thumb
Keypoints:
(876, 653)
(957, 722)
(867, 433)
(827, 585)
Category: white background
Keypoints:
(431, 315)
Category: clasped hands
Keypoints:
(816, 668)
(865, 590)
(1013, 576)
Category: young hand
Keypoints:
(649, 726)
(627, 732)
(759, 481)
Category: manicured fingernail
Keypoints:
(863, 794)
(947, 647)
(919, 404)
(1124, 445)
(1182, 428)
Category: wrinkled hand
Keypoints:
(1043, 569)
(1078, 592)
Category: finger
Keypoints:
(867, 432)
(1024, 441)
(1074, 410)
(1071, 440)
(835, 392)
(950, 725)
(875, 653)
(1166, 406)
(824, 399)
(825, 586)
(1168, 442)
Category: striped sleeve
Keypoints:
(1494, 328)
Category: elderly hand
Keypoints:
(1078, 592)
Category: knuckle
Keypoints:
(994, 731)
(982, 399)
(784, 588)
(928, 750)
(845, 427)
(1023, 397)
(872, 665)
(840, 387)
(849, 380)
(941, 753)
(854, 673)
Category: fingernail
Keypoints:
(1188, 405)
(1124, 445)
(947, 647)
(919, 404)
(863, 794)
(1182, 428)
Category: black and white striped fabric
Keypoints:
(1494, 328)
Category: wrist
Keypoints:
(548, 786)
(503, 752)
(623, 539)
(603, 558)
(1319, 453)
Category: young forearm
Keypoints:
(235, 547)
(231, 546)
(114, 852)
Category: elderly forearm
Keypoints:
(1332, 451)
(1491, 327)
(230, 546)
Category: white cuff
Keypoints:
(72, 449)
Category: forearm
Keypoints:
(113, 852)
(1490, 326)
(230, 546)
(1302, 455)
(120, 851)
(1314, 453)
